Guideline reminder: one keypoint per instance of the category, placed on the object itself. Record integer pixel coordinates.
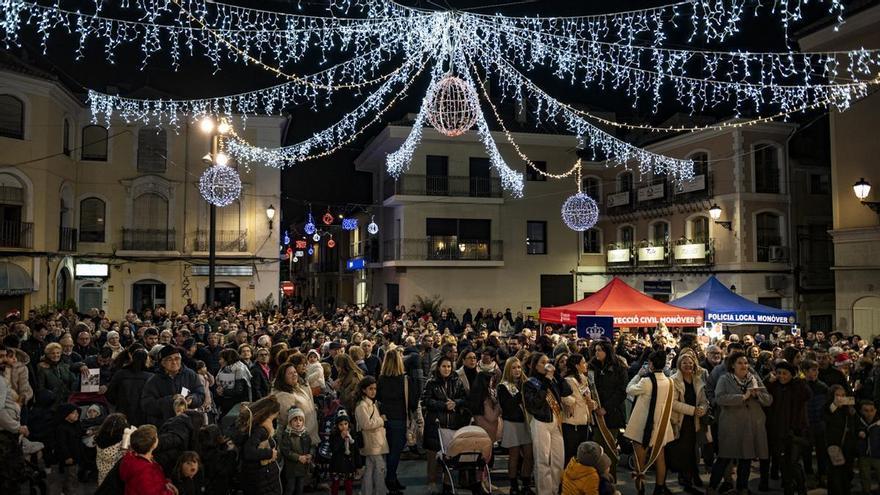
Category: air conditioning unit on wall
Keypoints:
(775, 282)
(778, 254)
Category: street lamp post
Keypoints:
(216, 157)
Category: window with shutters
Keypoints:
(91, 220)
(152, 149)
(699, 229)
(625, 236)
(625, 182)
(765, 158)
(591, 187)
(701, 163)
(536, 237)
(11, 117)
(768, 233)
(593, 241)
(94, 143)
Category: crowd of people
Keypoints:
(230, 401)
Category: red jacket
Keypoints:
(142, 477)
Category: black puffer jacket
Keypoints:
(258, 478)
(535, 395)
(611, 382)
(259, 382)
(176, 436)
(157, 398)
(124, 392)
(437, 391)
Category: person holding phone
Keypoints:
(742, 436)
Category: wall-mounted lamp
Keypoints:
(715, 213)
(862, 189)
(270, 214)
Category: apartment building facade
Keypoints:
(111, 217)
(449, 229)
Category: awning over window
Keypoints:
(14, 280)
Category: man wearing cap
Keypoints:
(172, 379)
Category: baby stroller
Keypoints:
(93, 410)
(469, 450)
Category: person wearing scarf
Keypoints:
(295, 447)
(542, 394)
(649, 425)
(740, 397)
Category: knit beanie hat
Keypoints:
(588, 453)
(342, 416)
(294, 412)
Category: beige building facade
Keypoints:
(111, 217)
(854, 155)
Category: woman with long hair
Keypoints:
(349, 375)
(444, 406)
(290, 391)
(577, 406)
(124, 389)
(233, 381)
(108, 443)
(515, 433)
(542, 396)
(255, 430)
(466, 368)
(372, 427)
(689, 405)
(609, 375)
(397, 395)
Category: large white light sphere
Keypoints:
(580, 212)
(453, 108)
(220, 185)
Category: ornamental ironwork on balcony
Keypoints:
(67, 239)
(148, 239)
(680, 254)
(16, 234)
(444, 185)
(233, 241)
(442, 248)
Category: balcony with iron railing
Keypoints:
(442, 248)
(10, 195)
(230, 241)
(148, 239)
(16, 234)
(661, 255)
(652, 196)
(443, 185)
(67, 239)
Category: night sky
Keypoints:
(333, 180)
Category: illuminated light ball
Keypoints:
(286, 238)
(220, 185)
(331, 244)
(349, 224)
(316, 237)
(310, 225)
(580, 212)
(453, 108)
(327, 218)
(311, 251)
(373, 228)
(296, 259)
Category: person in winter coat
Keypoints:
(138, 471)
(608, 372)
(291, 392)
(233, 381)
(868, 444)
(188, 477)
(68, 446)
(688, 406)
(742, 435)
(444, 406)
(124, 390)
(16, 373)
(815, 410)
(344, 456)
(787, 426)
(371, 424)
(542, 395)
(11, 431)
(515, 432)
(650, 424)
(172, 380)
(260, 382)
(113, 433)
(217, 454)
(295, 446)
(55, 375)
(840, 433)
(577, 406)
(397, 398)
(260, 470)
(176, 436)
(581, 476)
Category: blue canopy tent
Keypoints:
(721, 305)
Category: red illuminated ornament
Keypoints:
(289, 251)
(301, 244)
(327, 218)
(331, 243)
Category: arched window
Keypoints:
(768, 232)
(94, 143)
(625, 236)
(152, 150)
(659, 233)
(65, 138)
(625, 182)
(593, 241)
(765, 167)
(11, 117)
(91, 220)
(699, 229)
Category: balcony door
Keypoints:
(147, 294)
(480, 178)
(436, 175)
(150, 223)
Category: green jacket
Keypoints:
(291, 447)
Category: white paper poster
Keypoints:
(92, 382)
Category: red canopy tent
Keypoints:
(629, 307)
